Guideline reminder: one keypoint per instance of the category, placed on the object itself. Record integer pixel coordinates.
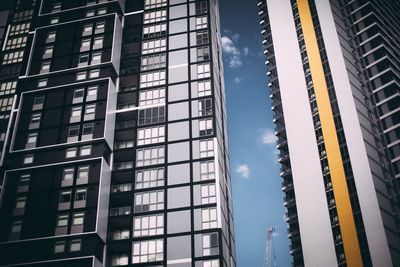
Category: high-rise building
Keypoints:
(113, 134)
(334, 78)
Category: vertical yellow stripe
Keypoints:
(338, 178)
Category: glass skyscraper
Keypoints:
(113, 136)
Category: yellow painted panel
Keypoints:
(338, 177)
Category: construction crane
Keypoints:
(269, 257)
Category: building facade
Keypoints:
(113, 135)
(334, 86)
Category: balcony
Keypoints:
(124, 144)
(119, 234)
(120, 211)
(121, 188)
(125, 124)
(122, 165)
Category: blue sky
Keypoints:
(256, 183)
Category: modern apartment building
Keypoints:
(334, 78)
(113, 135)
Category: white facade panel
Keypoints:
(358, 155)
(315, 228)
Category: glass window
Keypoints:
(155, 16)
(206, 127)
(206, 148)
(201, 7)
(151, 135)
(154, 62)
(83, 60)
(204, 88)
(7, 88)
(88, 129)
(59, 247)
(94, 74)
(16, 226)
(201, 22)
(78, 93)
(62, 220)
(149, 201)
(81, 75)
(149, 4)
(65, 196)
(211, 263)
(207, 170)
(35, 119)
(119, 260)
(51, 37)
(210, 244)
(147, 251)
(68, 174)
(80, 194)
(102, 11)
(24, 180)
(148, 225)
(154, 78)
(56, 6)
(76, 112)
(6, 103)
(86, 150)
(18, 42)
(32, 138)
(54, 20)
(90, 109)
(87, 29)
(205, 107)
(75, 245)
(48, 51)
(78, 218)
(71, 152)
(42, 83)
(86, 43)
(98, 42)
(92, 91)
(203, 53)
(154, 46)
(100, 27)
(90, 13)
(203, 70)
(28, 159)
(151, 115)
(202, 38)
(45, 67)
(39, 100)
(96, 58)
(73, 131)
(120, 234)
(20, 203)
(149, 178)
(152, 97)
(154, 30)
(208, 194)
(209, 218)
(83, 172)
(150, 156)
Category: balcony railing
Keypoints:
(125, 124)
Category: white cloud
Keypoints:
(246, 51)
(237, 80)
(268, 137)
(231, 51)
(243, 170)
